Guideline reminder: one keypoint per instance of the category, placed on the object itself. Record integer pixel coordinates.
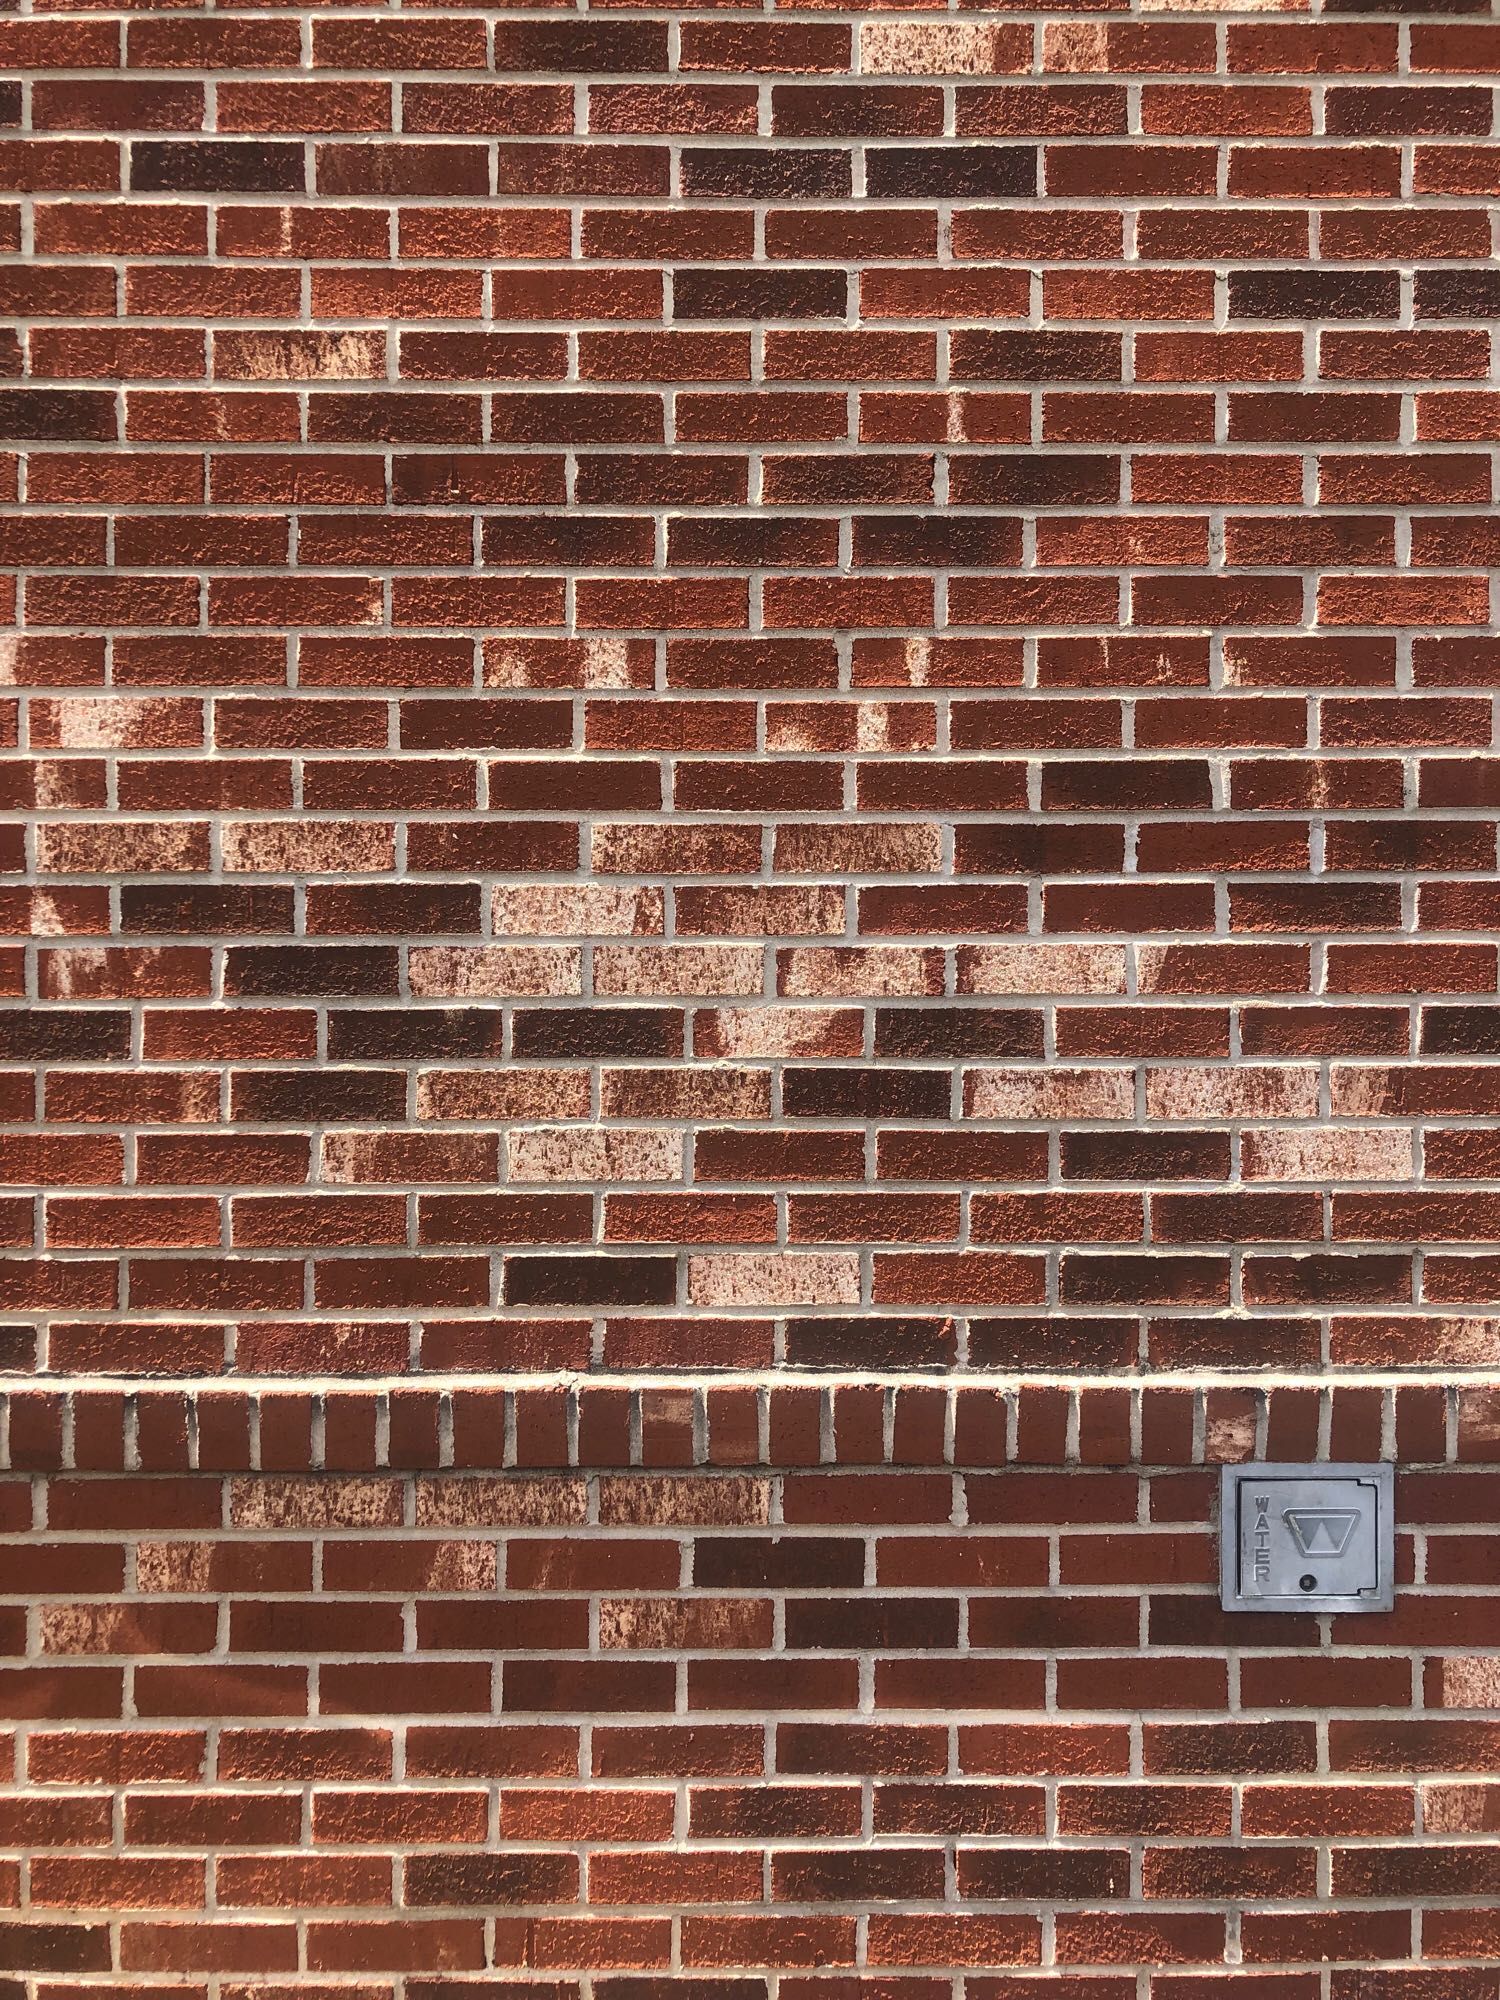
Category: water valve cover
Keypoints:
(1307, 1538)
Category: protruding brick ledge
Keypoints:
(667, 1425)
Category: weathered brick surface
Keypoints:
(751, 877)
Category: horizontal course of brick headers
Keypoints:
(749, 883)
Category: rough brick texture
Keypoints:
(749, 761)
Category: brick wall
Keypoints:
(748, 762)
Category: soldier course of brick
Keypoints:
(749, 885)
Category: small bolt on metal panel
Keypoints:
(1307, 1537)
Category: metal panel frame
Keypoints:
(1382, 1477)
